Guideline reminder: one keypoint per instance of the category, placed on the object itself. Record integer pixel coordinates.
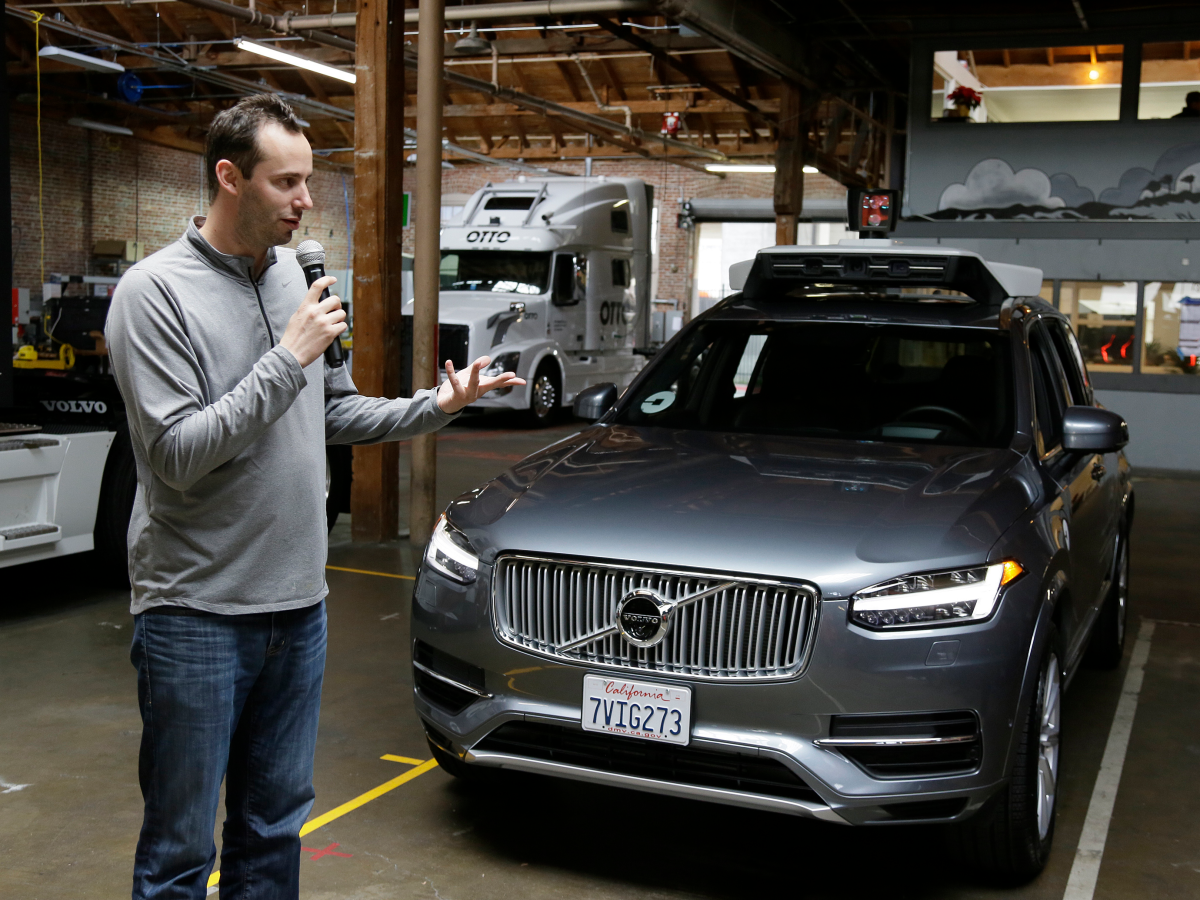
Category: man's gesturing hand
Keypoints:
(315, 324)
(455, 393)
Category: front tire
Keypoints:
(545, 395)
(1009, 840)
(1107, 645)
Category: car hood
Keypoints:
(842, 514)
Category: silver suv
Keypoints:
(836, 552)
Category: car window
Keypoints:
(1048, 388)
(823, 379)
(1072, 360)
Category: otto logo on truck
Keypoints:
(488, 237)
(76, 406)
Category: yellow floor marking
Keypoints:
(420, 768)
(368, 572)
(363, 799)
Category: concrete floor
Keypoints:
(70, 808)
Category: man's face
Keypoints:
(272, 201)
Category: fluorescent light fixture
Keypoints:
(736, 167)
(82, 60)
(100, 126)
(294, 59)
(811, 170)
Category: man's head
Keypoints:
(1192, 100)
(259, 163)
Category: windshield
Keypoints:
(818, 379)
(497, 271)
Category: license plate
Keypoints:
(654, 712)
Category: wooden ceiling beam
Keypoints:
(174, 25)
(638, 107)
(568, 78)
(125, 19)
(613, 80)
(224, 24)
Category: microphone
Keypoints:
(311, 256)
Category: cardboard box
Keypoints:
(129, 251)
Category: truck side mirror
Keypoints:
(1094, 429)
(591, 403)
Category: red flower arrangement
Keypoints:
(965, 96)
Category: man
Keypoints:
(1191, 107)
(230, 406)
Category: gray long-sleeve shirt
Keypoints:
(228, 431)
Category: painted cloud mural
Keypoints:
(993, 190)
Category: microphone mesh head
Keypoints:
(310, 253)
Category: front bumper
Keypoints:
(849, 671)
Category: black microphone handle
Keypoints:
(334, 357)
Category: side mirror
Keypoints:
(591, 403)
(1095, 429)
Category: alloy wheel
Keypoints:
(1048, 744)
(545, 395)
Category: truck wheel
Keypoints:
(1009, 839)
(117, 489)
(339, 473)
(1108, 637)
(545, 395)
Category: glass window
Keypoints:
(1028, 84)
(497, 271)
(1102, 314)
(1170, 75)
(1049, 400)
(878, 383)
(619, 220)
(509, 203)
(1071, 361)
(1171, 328)
(1047, 292)
(620, 273)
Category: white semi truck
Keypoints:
(550, 277)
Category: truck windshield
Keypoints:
(497, 271)
(817, 379)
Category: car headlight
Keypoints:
(505, 362)
(936, 598)
(450, 553)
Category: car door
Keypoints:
(1075, 475)
(567, 309)
(1071, 359)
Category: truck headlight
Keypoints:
(936, 598)
(450, 553)
(505, 362)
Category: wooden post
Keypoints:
(378, 200)
(789, 165)
(427, 258)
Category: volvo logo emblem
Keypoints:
(643, 618)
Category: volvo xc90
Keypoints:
(836, 552)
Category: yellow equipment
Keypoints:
(27, 357)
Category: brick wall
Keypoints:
(672, 184)
(98, 186)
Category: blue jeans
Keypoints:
(233, 697)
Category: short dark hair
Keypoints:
(233, 134)
(1192, 97)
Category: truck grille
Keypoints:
(452, 345)
(751, 630)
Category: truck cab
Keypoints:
(550, 277)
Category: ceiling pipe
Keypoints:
(181, 66)
(550, 108)
(282, 24)
(488, 12)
